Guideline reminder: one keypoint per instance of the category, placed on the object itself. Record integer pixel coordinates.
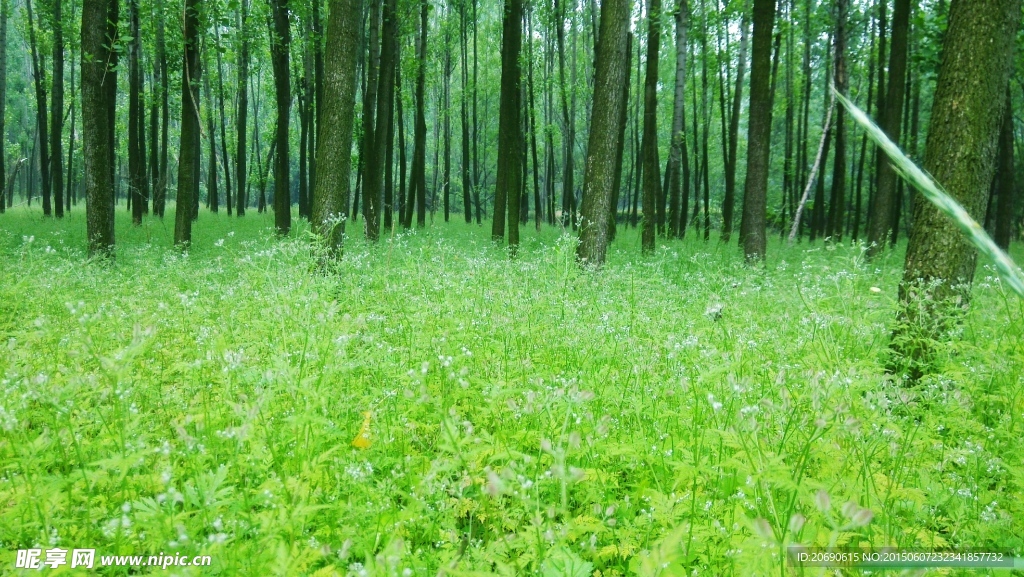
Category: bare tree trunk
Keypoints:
(136, 115)
(334, 158)
(508, 180)
(612, 72)
(188, 158)
(837, 202)
(729, 202)
(242, 112)
(1005, 175)
(678, 148)
(279, 48)
(651, 166)
(40, 84)
(4, 7)
(753, 233)
(57, 113)
(99, 93)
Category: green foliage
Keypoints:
(682, 414)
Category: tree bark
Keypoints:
(334, 158)
(39, 77)
(242, 113)
(57, 112)
(279, 46)
(4, 9)
(729, 202)
(508, 179)
(678, 148)
(373, 182)
(752, 234)
(99, 92)
(651, 168)
(960, 153)
(880, 219)
(1006, 176)
(136, 116)
(189, 157)
(611, 65)
(837, 200)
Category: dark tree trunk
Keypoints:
(279, 47)
(837, 200)
(99, 94)
(212, 189)
(136, 116)
(373, 182)
(3, 106)
(613, 215)
(467, 184)
(188, 158)
(225, 159)
(509, 173)
(57, 113)
(569, 123)
(960, 154)
(880, 219)
(538, 212)
(242, 113)
(447, 178)
(43, 136)
(1005, 175)
(651, 164)
(419, 169)
(752, 235)
(160, 195)
(334, 158)
(611, 72)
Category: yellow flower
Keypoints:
(362, 440)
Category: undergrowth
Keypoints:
(680, 414)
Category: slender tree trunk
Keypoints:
(447, 178)
(611, 72)
(188, 158)
(4, 194)
(467, 184)
(729, 203)
(509, 173)
(420, 174)
(373, 183)
(225, 158)
(1005, 175)
(99, 93)
(837, 202)
(279, 48)
(160, 195)
(57, 113)
(242, 110)
(40, 84)
(136, 115)
(334, 158)
(678, 123)
(880, 219)
(651, 166)
(753, 234)
(569, 124)
(538, 208)
(212, 189)
(613, 216)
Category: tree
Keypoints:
(241, 21)
(99, 95)
(57, 112)
(334, 146)
(837, 201)
(611, 64)
(649, 147)
(752, 231)
(188, 157)
(508, 180)
(280, 44)
(136, 116)
(891, 108)
(39, 76)
(4, 7)
(732, 138)
(960, 153)
(678, 177)
(1005, 175)
(376, 160)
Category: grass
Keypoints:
(680, 414)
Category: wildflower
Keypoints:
(362, 440)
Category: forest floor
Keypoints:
(678, 411)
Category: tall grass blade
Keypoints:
(931, 190)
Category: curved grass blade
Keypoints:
(931, 190)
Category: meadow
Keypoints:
(431, 407)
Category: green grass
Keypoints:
(527, 417)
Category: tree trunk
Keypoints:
(538, 212)
(729, 202)
(880, 219)
(160, 195)
(1005, 175)
(57, 113)
(188, 158)
(960, 154)
(678, 148)
(242, 112)
(225, 158)
(3, 105)
(420, 150)
(136, 116)
(837, 200)
(373, 182)
(611, 65)
(334, 158)
(99, 92)
(569, 125)
(212, 189)
(651, 166)
(279, 47)
(40, 84)
(752, 235)
(467, 184)
(509, 173)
